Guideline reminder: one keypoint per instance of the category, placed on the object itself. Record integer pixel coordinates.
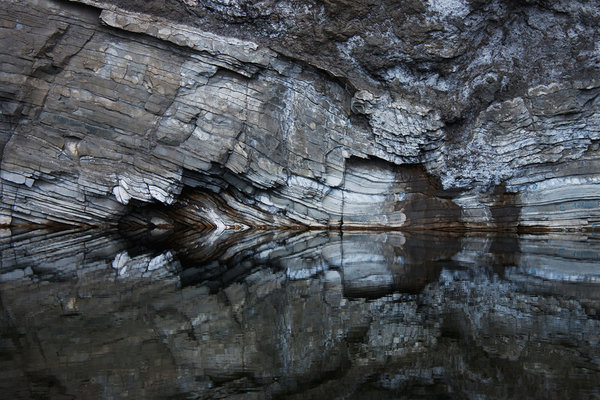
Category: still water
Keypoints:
(298, 315)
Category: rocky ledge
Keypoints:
(455, 114)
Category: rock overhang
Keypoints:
(133, 108)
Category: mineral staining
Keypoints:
(432, 114)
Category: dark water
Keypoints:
(292, 315)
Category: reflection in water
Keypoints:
(260, 315)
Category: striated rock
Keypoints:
(436, 115)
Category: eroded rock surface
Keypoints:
(415, 114)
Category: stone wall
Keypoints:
(454, 115)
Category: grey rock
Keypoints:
(444, 115)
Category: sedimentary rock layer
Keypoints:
(390, 114)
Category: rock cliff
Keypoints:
(450, 114)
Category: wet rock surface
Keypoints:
(226, 114)
(97, 314)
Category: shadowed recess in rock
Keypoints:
(455, 115)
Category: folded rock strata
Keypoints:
(442, 115)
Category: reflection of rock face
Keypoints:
(371, 265)
(375, 266)
(284, 328)
(435, 114)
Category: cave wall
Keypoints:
(422, 114)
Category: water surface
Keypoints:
(298, 315)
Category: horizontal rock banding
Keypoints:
(110, 112)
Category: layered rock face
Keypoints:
(414, 114)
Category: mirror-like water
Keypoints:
(297, 315)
